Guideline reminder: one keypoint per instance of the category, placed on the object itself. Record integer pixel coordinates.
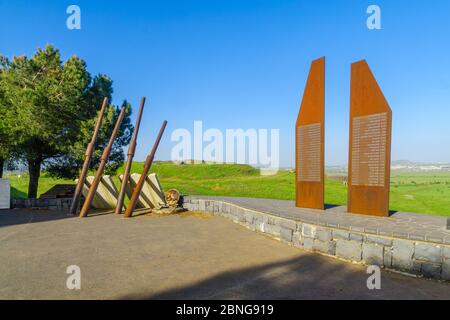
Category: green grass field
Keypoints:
(410, 191)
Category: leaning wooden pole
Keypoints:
(98, 175)
(148, 163)
(87, 160)
(131, 151)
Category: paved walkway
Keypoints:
(181, 257)
(406, 225)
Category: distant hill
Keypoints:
(189, 172)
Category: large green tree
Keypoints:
(49, 108)
(5, 135)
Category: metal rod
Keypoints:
(131, 152)
(87, 160)
(98, 175)
(148, 163)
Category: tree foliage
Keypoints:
(48, 110)
(6, 147)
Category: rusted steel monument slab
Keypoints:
(309, 137)
(370, 144)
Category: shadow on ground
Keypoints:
(307, 277)
(24, 216)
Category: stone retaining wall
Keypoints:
(51, 204)
(415, 257)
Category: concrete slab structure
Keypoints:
(129, 190)
(152, 195)
(156, 191)
(111, 192)
(106, 195)
(5, 194)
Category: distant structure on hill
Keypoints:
(399, 165)
(186, 162)
(418, 166)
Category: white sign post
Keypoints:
(5, 194)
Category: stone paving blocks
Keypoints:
(373, 254)
(297, 238)
(446, 252)
(348, 249)
(286, 234)
(272, 229)
(431, 270)
(379, 240)
(308, 243)
(402, 254)
(327, 247)
(308, 230)
(323, 234)
(356, 237)
(341, 234)
(446, 269)
(387, 257)
(428, 252)
(288, 224)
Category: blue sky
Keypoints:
(243, 64)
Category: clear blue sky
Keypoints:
(243, 64)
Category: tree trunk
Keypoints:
(34, 169)
(2, 163)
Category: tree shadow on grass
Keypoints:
(17, 194)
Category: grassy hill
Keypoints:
(427, 192)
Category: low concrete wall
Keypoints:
(415, 257)
(51, 204)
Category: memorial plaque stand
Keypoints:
(309, 137)
(370, 145)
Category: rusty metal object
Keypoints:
(98, 175)
(172, 198)
(87, 159)
(147, 166)
(370, 144)
(309, 137)
(131, 152)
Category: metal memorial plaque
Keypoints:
(370, 145)
(310, 140)
(369, 150)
